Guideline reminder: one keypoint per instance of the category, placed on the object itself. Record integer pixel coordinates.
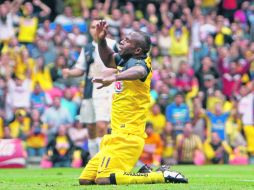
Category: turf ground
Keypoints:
(219, 177)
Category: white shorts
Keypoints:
(95, 109)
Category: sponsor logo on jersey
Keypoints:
(118, 86)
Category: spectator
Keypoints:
(229, 7)
(36, 139)
(198, 121)
(217, 122)
(28, 23)
(114, 24)
(41, 75)
(208, 6)
(222, 36)
(177, 114)
(21, 125)
(76, 37)
(245, 109)
(234, 128)
(164, 41)
(61, 148)
(6, 22)
(38, 99)
(19, 87)
(157, 119)
(206, 72)
(55, 116)
(186, 81)
(187, 145)
(68, 103)
(79, 136)
(24, 63)
(45, 31)
(7, 65)
(216, 150)
(67, 18)
(126, 25)
(56, 72)
(179, 49)
(153, 147)
(43, 49)
(151, 13)
(169, 153)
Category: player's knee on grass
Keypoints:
(102, 181)
(85, 182)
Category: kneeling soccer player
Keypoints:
(121, 149)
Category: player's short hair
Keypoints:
(144, 41)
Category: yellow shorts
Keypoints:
(118, 152)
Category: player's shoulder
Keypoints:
(134, 62)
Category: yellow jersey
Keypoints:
(27, 29)
(17, 128)
(131, 100)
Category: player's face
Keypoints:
(127, 46)
(92, 29)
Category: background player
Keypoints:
(96, 104)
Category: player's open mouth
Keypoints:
(120, 48)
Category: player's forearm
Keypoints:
(106, 54)
(134, 73)
(75, 72)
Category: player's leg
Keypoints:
(122, 152)
(102, 107)
(89, 173)
(88, 117)
(121, 178)
(145, 175)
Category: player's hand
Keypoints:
(101, 29)
(65, 73)
(105, 81)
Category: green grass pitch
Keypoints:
(213, 177)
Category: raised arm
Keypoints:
(45, 9)
(106, 54)
(15, 5)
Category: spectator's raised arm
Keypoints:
(45, 9)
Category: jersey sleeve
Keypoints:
(81, 61)
(138, 62)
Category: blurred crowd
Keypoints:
(202, 91)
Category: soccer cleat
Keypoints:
(174, 177)
(145, 169)
(163, 168)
